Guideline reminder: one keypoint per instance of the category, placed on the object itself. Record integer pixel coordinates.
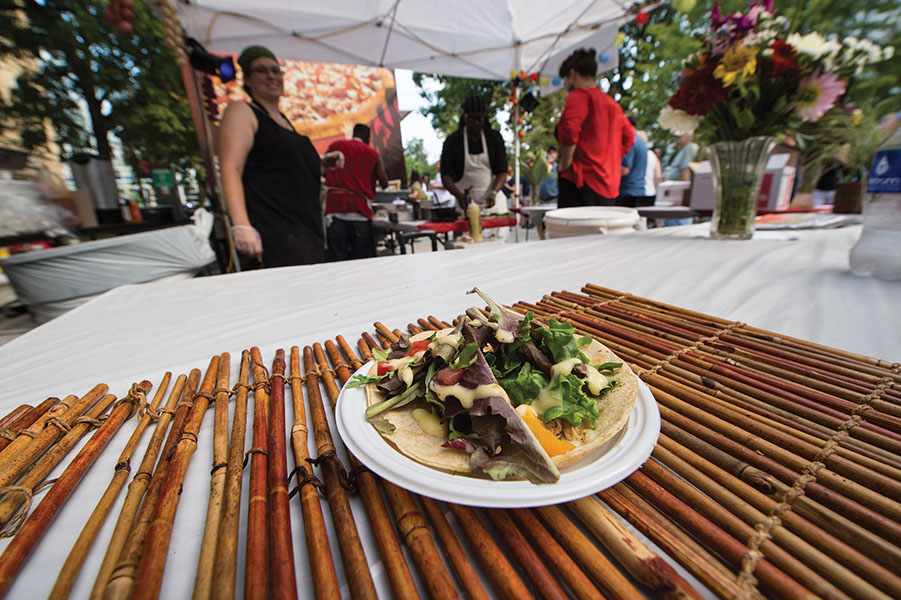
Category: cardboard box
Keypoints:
(775, 189)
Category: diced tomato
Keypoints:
(384, 367)
(551, 444)
(448, 376)
(418, 346)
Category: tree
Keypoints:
(90, 81)
(415, 157)
(445, 104)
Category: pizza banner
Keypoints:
(324, 101)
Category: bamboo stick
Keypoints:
(507, 582)
(836, 523)
(576, 579)
(796, 565)
(605, 574)
(414, 531)
(704, 567)
(544, 583)
(685, 419)
(642, 563)
(399, 577)
(149, 575)
(319, 553)
(748, 503)
(121, 566)
(135, 490)
(69, 572)
(32, 431)
(46, 463)
(466, 575)
(773, 580)
(356, 567)
(36, 525)
(203, 578)
(256, 559)
(23, 451)
(281, 552)
(18, 420)
(15, 414)
(226, 560)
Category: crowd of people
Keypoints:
(289, 206)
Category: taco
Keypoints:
(499, 395)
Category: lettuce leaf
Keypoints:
(560, 341)
(523, 385)
(577, 407)
(361, 380)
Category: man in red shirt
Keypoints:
(594, 135)
(348, 194)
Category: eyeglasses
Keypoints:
(275, 70)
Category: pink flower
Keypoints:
(817, 93)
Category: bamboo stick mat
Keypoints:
(777, 474)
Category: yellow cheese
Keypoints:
(430, 423)
(545, 401)
(449, 340)
(466, 395)
(596, 381)
(565, 367)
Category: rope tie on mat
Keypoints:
(581, 309)
(29, 432)
(12, 526)
(253, 451)
(700, 342)
(308, 478)
(90, 420)
(263, 382)
(331, 457)
(223, 390)
(59, 423)
(292, 378)
(747, 583)
(137, 397)
(6, 434)
(240, 385)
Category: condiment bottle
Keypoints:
(474, 216)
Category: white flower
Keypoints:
(888, 53)
(813, 45)
(676, 119)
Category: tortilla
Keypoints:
(409, 438)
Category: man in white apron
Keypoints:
(474, 160)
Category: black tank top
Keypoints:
(281, 188)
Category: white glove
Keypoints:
(247, 241)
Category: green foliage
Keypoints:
(650, 57)
(89, 81)
(415, 157)
(444, 105)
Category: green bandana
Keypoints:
(250, 54)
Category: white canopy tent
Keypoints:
(485, 39)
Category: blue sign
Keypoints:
(885, 177)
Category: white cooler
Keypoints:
(572, 222)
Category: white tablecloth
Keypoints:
(801, 288)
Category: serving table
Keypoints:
(699, 297)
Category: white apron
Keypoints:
(476, 171)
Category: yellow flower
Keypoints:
(738, 62)
(856, 117)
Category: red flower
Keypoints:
(699, 90)
(783, 58)
(641, 18)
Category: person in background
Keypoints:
(634, 165)
(677, 167)
(509, 188)
(443, 198)
(594, 135)
(270, 173)
(474, 157)
(653, 175)
(417, 192)
(349, 191)
(548, 190)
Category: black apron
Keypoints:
(281, 190)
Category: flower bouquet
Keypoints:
(749, 84)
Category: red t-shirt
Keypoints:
(350, 187)
(596, 125)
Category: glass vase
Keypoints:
(738, 169)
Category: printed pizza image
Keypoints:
(322, 99)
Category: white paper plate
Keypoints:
(610, 464)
